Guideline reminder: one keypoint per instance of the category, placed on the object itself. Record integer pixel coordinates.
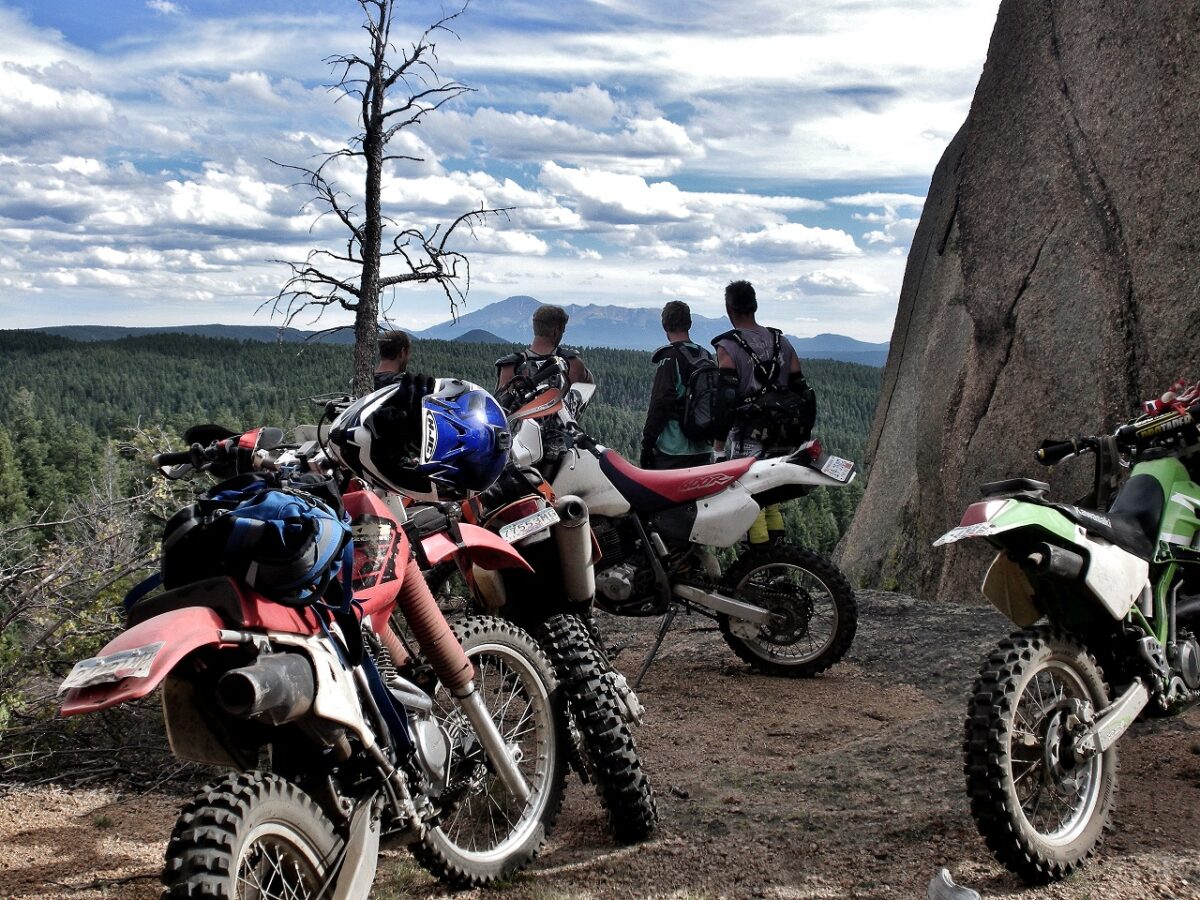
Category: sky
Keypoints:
(648, 151)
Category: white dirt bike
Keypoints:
(782, 609)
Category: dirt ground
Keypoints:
(848, 785)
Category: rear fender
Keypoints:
(1113, 577)
(479, 546)
(180, 632)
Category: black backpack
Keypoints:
(708, 399)
(780, 415)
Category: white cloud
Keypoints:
(828, 281)
(614, 198)
(591, 105)
(794, 241)
(164, 7)
(879, 198)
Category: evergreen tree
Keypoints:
(12, 484)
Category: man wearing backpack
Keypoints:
(549, 326)
(776, 407)
(665, 441)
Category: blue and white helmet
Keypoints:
(418, 434)
(464, 436)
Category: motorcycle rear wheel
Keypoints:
(483, 833)
(1040, 811)
(816, 615)
(251, 835)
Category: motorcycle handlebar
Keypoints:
(173, 459)
(1052, 452)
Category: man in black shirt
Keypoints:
(664, 445)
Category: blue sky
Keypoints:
(651, 151)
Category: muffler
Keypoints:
(573, 534)
(278, 688)
(1046, 559)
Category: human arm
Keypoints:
(578, 373)
(729, 369)
(504, 374)
(663, 403)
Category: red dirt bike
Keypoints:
(552, 601)
(339, 735)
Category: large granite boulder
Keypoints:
(1054, 280)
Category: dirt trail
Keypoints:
(848, 785)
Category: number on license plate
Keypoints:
(114, 667)
(514, 531)
(837, 468)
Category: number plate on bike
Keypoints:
(837, 468)
(514, 531)
(114, 667)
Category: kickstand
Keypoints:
(662, 633)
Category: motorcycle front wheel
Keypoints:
(251, 835)
(813, 611)
(482, 832)
(1040, 808)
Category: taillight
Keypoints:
(815, 449)
(519, 509)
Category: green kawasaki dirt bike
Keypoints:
(1116, 595)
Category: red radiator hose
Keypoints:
(433, 634)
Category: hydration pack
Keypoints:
(283, 542)
(775, 415)
(709, 398)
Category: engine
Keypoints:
(623, 577)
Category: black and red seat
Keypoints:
(651, 491)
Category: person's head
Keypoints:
(676, 317)
(740, 302)
(395, 347)
(550, 323)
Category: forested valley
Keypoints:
(79, 522)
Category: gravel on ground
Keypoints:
(846, 785)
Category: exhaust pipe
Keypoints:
(277, 688)
(573, 535)
(1046, 559)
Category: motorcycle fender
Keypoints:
(1008, 588)
(190, 734)
(722, 519)
(479, 546)
(777, 472)
(180, 632)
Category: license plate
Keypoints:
(980, 529)
(837, 468)
(514, 531)
(114, 667)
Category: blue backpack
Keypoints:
(284, 543)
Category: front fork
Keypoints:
(493, 742)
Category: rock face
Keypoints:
(1053, 282)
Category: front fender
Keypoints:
(479, 546)
(180, 632)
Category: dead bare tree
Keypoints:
(396, 90)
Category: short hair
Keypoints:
(676, 316)
(739, 297)
(393, 343)
(549, 320)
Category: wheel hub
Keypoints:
(791, 611)
(1065, 723)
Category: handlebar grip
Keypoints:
(172, 459)
(1052, 452)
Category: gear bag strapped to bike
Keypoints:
(785, 415)
(283, 543)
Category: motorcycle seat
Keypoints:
(1131, 523)
(220, 594)
(651, 491)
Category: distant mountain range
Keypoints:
(507, 322)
